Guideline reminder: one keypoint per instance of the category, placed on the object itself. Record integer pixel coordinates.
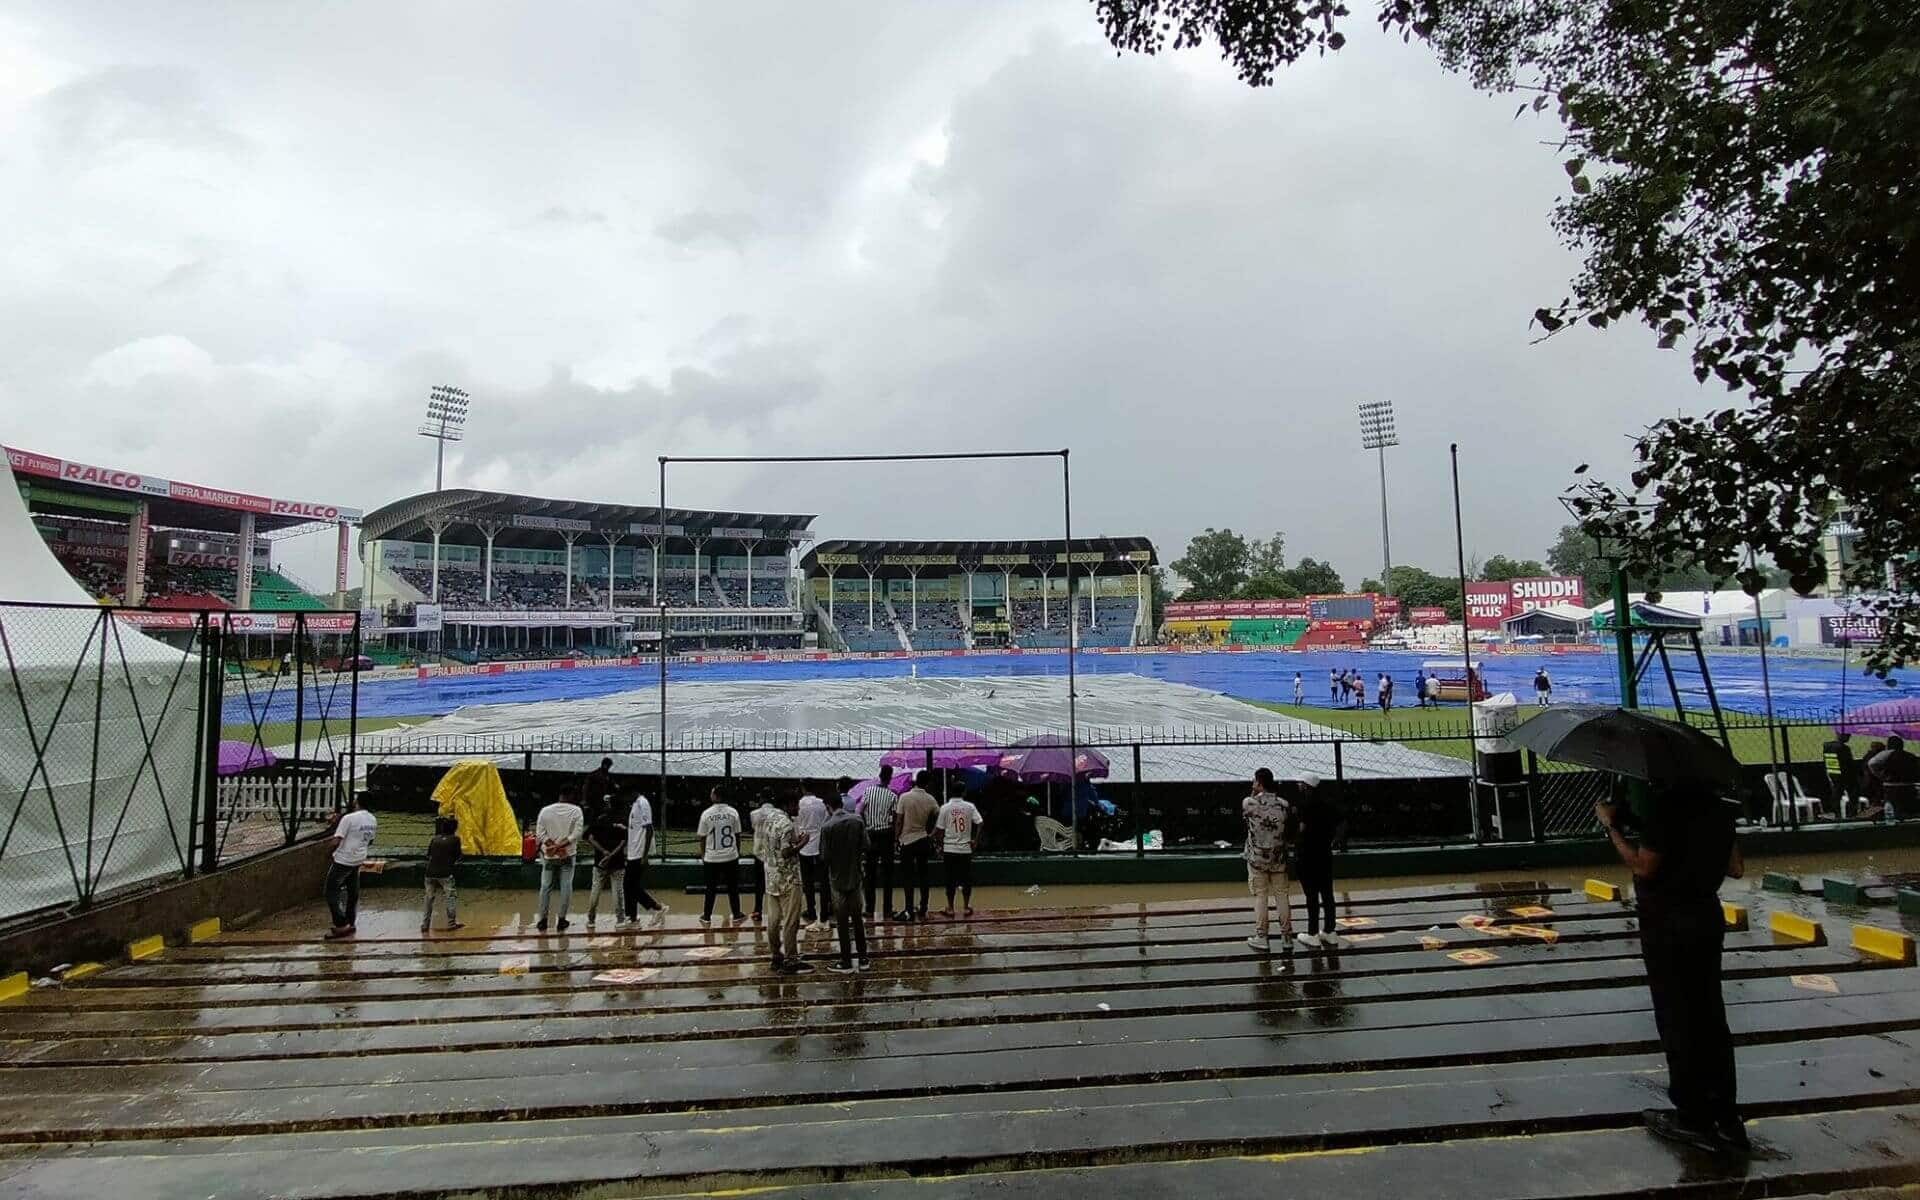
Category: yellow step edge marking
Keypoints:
(81, 971)
(1867, 939)
(203, 931)
(1600, 889)
(146, 947)
(1791, 925)
(14, 986)
(1735, 916)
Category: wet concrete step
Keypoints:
(572, 1082)
(1112, 1034)
(397, 957)
(752, 1013)
(927, 953)
(273, 1007)
(1081, 1138)
(1810, 1152)
(1015, 925)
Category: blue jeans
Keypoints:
(550, 870)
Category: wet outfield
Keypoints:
(1133, 1049)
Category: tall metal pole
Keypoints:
(1386, 546)
(440, 458)
(1073, 685)
(1623, 636)
(1466, 647)
(659, 551)
(1766, 690)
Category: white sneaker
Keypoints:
(1309, 940)
(1331, 941)
(1283, 939)
(1257, 942)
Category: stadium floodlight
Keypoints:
(446, 422)
(1376, 434)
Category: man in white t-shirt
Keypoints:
(352, 836)
(719, 831)
(639, 848)
(557, 831)
(813, 881)
(958, 828)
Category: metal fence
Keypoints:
(112, 723)
(1421, 784)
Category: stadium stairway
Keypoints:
(1474, 1041)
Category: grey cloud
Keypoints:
(161, 107)
(1188, 282)
(689, 229)
(561, 215)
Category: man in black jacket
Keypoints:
(1682, 848)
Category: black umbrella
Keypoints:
(1626, 743)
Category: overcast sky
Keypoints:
(244, 239)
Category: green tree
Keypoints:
(1574, 552)
(1419, 588)
(1500, 568)
(1214, 566)
(1740, 179)
(1314, 578)
(1267, 571)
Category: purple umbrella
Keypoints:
(236, 757)
(1043, 759)
(1900, 716)
(952, 748)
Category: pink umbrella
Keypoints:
(952, 749)
(1900, 716)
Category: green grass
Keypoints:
(1749, 745)
(280, 733)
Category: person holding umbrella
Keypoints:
(1678, 843)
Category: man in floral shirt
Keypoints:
(776, 844)
(1270, 827)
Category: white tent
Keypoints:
(85, 808)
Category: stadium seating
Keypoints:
(1113, 622)
(939, 627)
(274, 592)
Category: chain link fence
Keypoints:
(139, 744)
(1152, 790)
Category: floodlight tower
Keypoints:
(1376, 434)
(446, 422)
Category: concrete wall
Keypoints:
(235, 894)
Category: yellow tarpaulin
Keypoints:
(472, 793)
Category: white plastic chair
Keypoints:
(1786, 790)
(1054, 837)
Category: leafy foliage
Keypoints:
(1214, 566)
(1741, 178)
(1500, 568)
(1314, 578)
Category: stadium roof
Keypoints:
(85, 490)
(1025, 554)
(536, 521)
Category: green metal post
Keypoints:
(1623, 637)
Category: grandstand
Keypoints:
(529, 576)
(878, 596)
(134, 538)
